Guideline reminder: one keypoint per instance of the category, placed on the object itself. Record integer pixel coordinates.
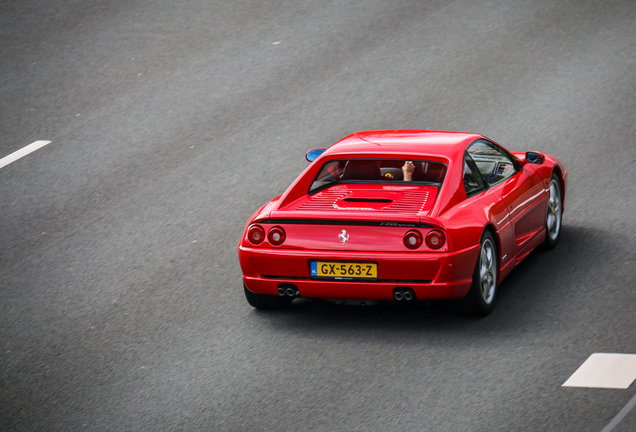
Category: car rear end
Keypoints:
(356, 242)
(337, 271)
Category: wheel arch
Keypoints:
(557, 170)
(490, 228)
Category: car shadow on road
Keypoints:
(532, 295)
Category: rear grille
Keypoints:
(323, 201)
(408, 202)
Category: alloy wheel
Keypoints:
(488, 271)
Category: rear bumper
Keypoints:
(430, 275)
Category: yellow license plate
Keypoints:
(343, 270)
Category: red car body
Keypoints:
(374, 217)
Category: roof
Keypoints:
(424, 142)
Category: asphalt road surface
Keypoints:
(121, 305)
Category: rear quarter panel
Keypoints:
(466, 221)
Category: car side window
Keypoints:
(473, 182)
(493, 163)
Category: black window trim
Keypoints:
(473, 166)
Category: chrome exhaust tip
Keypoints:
(404, 293)
(288, 290)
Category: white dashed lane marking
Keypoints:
(22, 152)
(602, 370)
(617, 371)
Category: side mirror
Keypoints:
(312, 155)
(535, 158)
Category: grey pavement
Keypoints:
(121, 305)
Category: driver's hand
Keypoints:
(408, 170)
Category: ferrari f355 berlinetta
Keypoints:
(403, 216)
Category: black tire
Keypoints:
(266, 301)
(554, 216)
(480, 299)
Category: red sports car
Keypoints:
(403, 215)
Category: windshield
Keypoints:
(378, 171)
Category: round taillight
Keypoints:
(413, 239)
(276, 236)
(256, 234)
(435, 239)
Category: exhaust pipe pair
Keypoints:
(288, 290)
(406, 294)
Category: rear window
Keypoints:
(378, 171)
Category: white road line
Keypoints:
(22, 152)
(620, 416)
(604, 370)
